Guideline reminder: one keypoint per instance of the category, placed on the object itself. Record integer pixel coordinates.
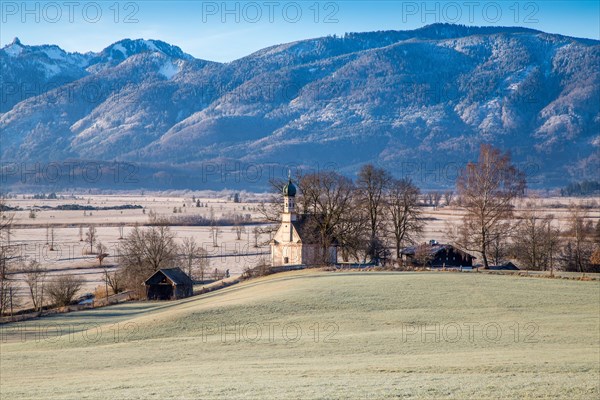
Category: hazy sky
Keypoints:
(224, 31)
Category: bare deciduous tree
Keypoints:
(536, 241)
(402, 205)
(486, 190)
(256, 234)
(35, 278)
(328, 196)
(553, 243)
(355, 242)
(429, 198)
(238, 230)
(499, 245)
(63, 289)
(8, 287)
(436, 197)
(194, 259)
(448, 197)
(371, 185)
(9, 296)
(101, 252)
(6, 221)
(579, 247)
(114, 280)
(90, 238)
(215, 233)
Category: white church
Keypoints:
(292, 243)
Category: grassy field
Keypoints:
(322, 335)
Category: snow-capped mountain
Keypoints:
(28, 71)
(412, 101)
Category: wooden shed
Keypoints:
(168, 284)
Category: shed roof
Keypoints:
(509, 266)
(175, 275)
(432, 249)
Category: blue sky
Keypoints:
(224, 31)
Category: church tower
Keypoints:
(289, 202)
(292, 245)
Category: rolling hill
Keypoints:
(316, 335)
(419, 102)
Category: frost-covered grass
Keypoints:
(381, 335)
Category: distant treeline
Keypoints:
(199, 220)
(79, 207)
(44, 196)
(583, 188)
(76, 207)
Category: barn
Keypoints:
(436, 255)
(168, 284)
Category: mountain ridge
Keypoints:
(429, 95)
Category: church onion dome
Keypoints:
(289, 189)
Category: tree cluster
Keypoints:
(41, 288)
(148, 249)
(487, 190)
(364, 217)
(584, 188)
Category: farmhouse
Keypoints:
(436, 255)
(168, 284)
(296, 242)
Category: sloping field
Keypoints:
(320, 335)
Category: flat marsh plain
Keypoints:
(322, 335)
